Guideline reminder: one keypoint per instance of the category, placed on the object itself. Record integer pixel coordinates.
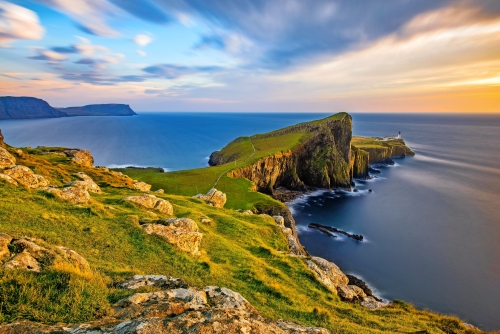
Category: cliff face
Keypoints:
(322, 160)
(364, 155)
(100, 110)
(26, 107)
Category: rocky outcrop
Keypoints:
(334, 279)
(25, 176)
(81, 157)
(72, 195)
(380, 151)
(181, 232)
(110, 109)
(288, 222)
(7, 160)
(157, 281)
(142, 186)
(322, 160)
(28, 254)
(26, 107)
(85, 183)
(177, 311)
(151, 202)
(2, 143)
(213, 198)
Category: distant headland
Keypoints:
(25, 107)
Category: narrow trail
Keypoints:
(226, 171)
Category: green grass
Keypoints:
(246, 253)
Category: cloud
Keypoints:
(90, 15)
(141, 53)
(48, 55)
(142, 40)
(17, 22)
(144, 10)
(172, 71)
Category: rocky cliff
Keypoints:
(26, 107)
(322, 159)
(366, 151)
(99, 110)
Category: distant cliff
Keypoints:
(26, 107)
(366, 151)
(320, 159)
(100, 110)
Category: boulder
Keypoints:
(73, 195)
(151, 202)
(350, 293)
(8, 179)
(23, 261)
(7, 160)
(160, 191)
(42, 181)
(4, 246)
(371, 303)
(73, 257)
(26, 177)
(214, 198)
(247, 212)
(81, 157)
(181, 232)
(279, 220)
(39, 253)
(141, 186)
(175, 311)
(327, 273)
(85, 183)
(157, 281)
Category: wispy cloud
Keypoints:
(172, 71)
(17, 22)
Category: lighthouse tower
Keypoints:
(399, 135)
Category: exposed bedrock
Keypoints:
(322, 160)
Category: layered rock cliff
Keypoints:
(322, 159)
(366, 151)
(99, 110)
(26, 107)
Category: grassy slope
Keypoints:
(239, 193)
(240, 252)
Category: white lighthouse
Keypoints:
(399, 135)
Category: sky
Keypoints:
(255, 55)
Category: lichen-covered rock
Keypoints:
(176, 311)
(73, 257)
(25, 176)
(151, 202)
(25, 261)
(8, 179)
(279, 220)
(371, 303)
(42, 181)
(27, 254)
(327, 273)
(73, 195)
(214, 198)
(85, 183)
(141, 186)
(157, 281)
(181, 232)
(2, 143)
(350, 293)
(159, 191)
(4, 246)
(205, 220)
(7, 160)
(41, 254)
(81, 157)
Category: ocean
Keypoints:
(431, 223)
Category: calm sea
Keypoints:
(431, 223)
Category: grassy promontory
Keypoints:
(246, 253)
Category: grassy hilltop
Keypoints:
(246, 253)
